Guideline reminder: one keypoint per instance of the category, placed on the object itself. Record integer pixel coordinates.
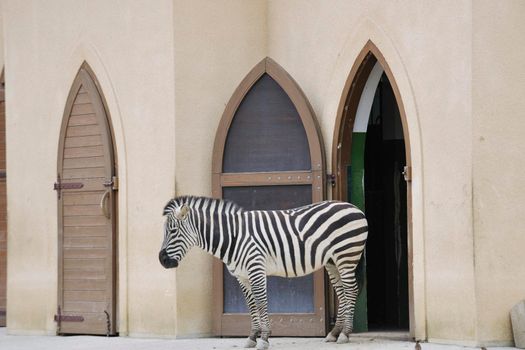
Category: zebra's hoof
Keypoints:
(262, 344)
(250, 343)
(343, 339)
(330, 338)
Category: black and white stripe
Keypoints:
(259, 243)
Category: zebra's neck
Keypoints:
(218, 224)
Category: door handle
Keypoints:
(103, 202)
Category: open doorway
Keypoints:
(371, 161)
(386, 210)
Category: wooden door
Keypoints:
(86, 205)
(268, 155)
(3, 210)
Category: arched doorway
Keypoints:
(371, 160)
(87, 212)
(268, 155)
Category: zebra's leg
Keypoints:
(350, 290)
(251, 342)
(335, 279)
(258, 284)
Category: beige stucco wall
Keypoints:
(498, 164)
(146, 59)
(2, 58)
(216, 44)
(429, 54)
(167, 72)
(129, 45)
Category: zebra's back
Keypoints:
(298, 241)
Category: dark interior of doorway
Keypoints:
(386, 211)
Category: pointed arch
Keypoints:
(299, 100)
(348, 105)
(269, 115)
(363, 77)
(86, 53)
(87, 76)
(87, 212)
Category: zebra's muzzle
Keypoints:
(166, 261)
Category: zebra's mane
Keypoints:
(190, 201)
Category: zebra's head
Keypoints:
(179, 236)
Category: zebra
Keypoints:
(258, 243)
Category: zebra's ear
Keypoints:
(169, 207)
(182, 213)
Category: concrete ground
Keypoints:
(364, 341)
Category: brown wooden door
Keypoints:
(268, 155)
(86, 206)
(3, 211)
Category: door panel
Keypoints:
(268, 155)
(266, 133)
(3, 215)
(285, 295)
(86, 215)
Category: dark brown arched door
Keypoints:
(86, 213)
(268, 155)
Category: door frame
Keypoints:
(342, 140)
(236, 324)
(84, 72)
(3, 178)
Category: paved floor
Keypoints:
(365, 341)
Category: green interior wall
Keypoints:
(356, 196)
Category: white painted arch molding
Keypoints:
(367, 98)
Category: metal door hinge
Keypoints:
(68, 318)
(108, 324)
(113, 183)
(407, 173)
(59, 318)
(330, 178)
(59, 186)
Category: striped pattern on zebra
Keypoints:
(258, 243)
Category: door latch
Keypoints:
(407, 173)
(330, 178)
(113, 183)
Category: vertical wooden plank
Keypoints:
(3, 209)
